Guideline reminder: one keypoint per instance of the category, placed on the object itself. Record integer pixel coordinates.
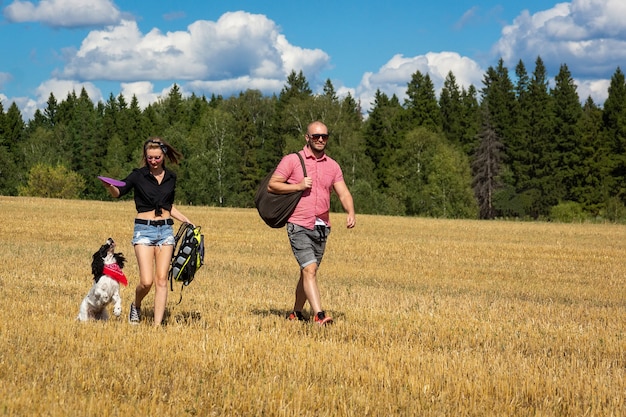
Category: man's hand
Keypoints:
(306, 183)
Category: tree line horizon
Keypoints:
(513, 149)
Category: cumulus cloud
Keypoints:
(238, 50)
(394, 76)
(64, 13)
(144, 91)
(587, 35)
(61, 88)
(598, 90)
(243, 51)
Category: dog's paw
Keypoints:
(117, 312)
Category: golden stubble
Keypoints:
(432, 317)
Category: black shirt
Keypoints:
(149, 194)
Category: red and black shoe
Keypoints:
(295, 315)
(322, 319)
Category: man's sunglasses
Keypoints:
(318, 136)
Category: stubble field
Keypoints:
(432, 318)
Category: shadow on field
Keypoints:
(187, 317)
(283, 313)
(180, 317)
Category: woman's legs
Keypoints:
(145, 261)
(163, 255)
(147, 256)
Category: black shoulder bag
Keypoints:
(275, 209)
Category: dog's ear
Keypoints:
(97, 266)
(104, 249)
(120, 260)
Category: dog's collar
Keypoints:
(115, 272)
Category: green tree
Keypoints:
(614, 117)
(486, 167)
(448, 185)
(252, 115)
(470, 119)
(51, 111)
(567, 137)
(452, 114)
(53, 182)
(421, 103)
(381, 135)
(209, 174)
(593, 189)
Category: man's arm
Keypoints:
(277, 185)
(346, 201)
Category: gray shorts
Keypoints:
(307, 245)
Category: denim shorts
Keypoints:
(307, 245)
(144, 234)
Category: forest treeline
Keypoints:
(519, 146)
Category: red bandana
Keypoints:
(115, 272)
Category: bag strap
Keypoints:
(302, 162)
(181, 231)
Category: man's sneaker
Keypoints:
(322, 320)
(134, 317)
(295, 315)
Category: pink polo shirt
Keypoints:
(315, 202)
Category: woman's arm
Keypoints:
(175, 213)
(113, 190)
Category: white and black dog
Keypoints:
(106, 267)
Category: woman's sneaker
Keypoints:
(134, 316)
(295, 315)
(321, 319)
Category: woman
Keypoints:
(153, 237)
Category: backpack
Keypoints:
(275, 209)
(189, 256)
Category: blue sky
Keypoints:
(223, 47)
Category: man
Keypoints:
(309, 225)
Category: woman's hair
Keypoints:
(157, 143)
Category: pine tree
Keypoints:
(421, 104)
(592, 189)
(51, 110)
(567, 137)
(470, 119)
(614, 117)
(451, 108)
(486, 167)
(381, 134)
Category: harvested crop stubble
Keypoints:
(432, 317)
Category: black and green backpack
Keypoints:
(188, 255)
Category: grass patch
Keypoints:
(432, 317)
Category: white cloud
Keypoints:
(243, 51)
(64, 13)
(588, 35)
(61, 89)
(227, 87)
(598, 90)
(238, 47)
(143, 90)
(26, 105)
(394, 76)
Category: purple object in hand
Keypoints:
(112, 181)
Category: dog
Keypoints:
(106, 267)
